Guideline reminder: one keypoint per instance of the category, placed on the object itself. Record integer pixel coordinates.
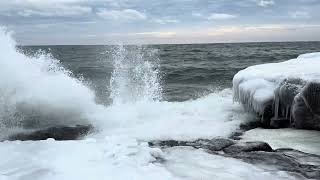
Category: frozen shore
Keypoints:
(282, 94)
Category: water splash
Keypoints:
(135, 76)
(36, 91)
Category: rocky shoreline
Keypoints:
(296, 163)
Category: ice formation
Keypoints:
(119, 158)
(281, 85)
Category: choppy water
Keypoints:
(186, 71)
(148, 92)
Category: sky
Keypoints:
(57, 22)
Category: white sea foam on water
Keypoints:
(36, 90)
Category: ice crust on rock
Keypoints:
(276, 84)
(119, 158)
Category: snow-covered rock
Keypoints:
(291, 89)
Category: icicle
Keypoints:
(276, 111)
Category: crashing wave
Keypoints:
(37, 92)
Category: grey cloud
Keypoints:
(122, 15)
(40, 21)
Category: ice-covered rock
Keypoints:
(285, 93)
(306, 107)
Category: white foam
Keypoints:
(39, 87)
(255, 85)
(210, 116)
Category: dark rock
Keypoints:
(311, 94)
(247, 147)
(280, 123)
(216, 144)
(306, 108)
(237, 135)
(57, 133)
(245, 127)
(267, 115)
(250, 125)
(169, 143)
(302, 165)
(292, 161)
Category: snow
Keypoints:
(118, 158)
(303, 140)
(255, 85)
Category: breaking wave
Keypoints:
(37, 92)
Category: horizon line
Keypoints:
(146, 44)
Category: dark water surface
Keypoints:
(187, 71)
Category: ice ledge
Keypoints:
(288, 90)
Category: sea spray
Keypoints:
(139, 111)
(37, 92)
(135, 76)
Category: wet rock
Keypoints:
(250, 125)
(267, 115)
(292, 161)
(279, 123)
(171, 143)
(237, 135)
(306, 108)
(302, 165)
(215, 144)
(247, 147)
(58, 133)
(245, 127)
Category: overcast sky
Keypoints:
(160, 21)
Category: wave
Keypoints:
(37, 92)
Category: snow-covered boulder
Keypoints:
(286, 91)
